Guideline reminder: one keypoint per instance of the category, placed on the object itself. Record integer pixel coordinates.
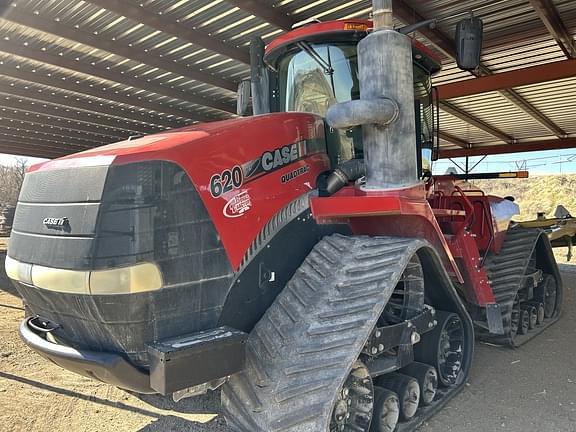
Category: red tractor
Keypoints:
(304, 258)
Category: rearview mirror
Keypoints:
(243, 98)
(469, 37)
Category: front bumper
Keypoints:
(106, 367)
(176, 364)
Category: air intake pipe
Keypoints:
(386, 105)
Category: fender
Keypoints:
(396, 212)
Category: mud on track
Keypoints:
(529, 389)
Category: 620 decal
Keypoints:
(226, 181)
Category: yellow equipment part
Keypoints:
(560, 230)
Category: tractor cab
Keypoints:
(314, 67)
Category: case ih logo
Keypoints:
(56, 223)
(238, 205)
(273, 160)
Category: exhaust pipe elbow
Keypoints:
(345, 115)
(348, 171)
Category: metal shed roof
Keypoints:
(78, 74)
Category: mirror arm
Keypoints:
(431, 24)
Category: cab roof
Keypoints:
(356, 28)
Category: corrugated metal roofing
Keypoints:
(76, 74)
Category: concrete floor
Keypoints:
(528, 389)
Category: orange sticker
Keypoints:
(355, 26)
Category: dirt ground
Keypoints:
(529, 389)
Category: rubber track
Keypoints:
(301, 351)
(506, 272)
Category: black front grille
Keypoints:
(67, 185)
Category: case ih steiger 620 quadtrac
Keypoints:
(304, 259)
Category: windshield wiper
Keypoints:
(308, 49)
(326, 65)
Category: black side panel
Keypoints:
(278, 251)
(152, 212)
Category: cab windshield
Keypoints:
(313, 76)
(316, 76)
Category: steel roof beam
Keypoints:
(44, 128)
(6, 136)
(408, 15)
(104, 96)
(266, 12)
(7, 111)
(445, 44)
(114, 47)
(453, 140)
(8, 100)
(138, 14)
(464, 116)
(26, 138)
(549, 15)
(10, 133)
(42, 144)
(505, 80)
(113, 76)
(528, 108)
(9, 147)
(547, 144)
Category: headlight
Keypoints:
(138, 278)
(17, 270)
(124, 280)
(68, 281)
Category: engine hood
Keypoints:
(273, 149)
(197, 142)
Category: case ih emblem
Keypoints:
(273, 160)
(280, 157)
(237, 205)
(56, 223)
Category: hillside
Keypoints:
(536, 194)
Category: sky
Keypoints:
(7, 159)
(537, 163)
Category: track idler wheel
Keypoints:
(539, 312)
(532, 316)
(353, 407)
(523, 321)
(547, 294)
(386, 410)
(515, 317)
(427, 378)
(407, 389)
(443, 347)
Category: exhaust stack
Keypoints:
(386, 105)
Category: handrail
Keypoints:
(469, 219)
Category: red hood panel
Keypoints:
(280, 156)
